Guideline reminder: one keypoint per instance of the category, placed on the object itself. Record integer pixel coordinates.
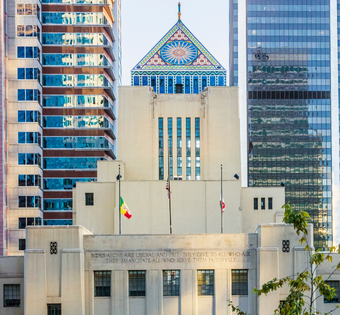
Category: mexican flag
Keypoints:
(124, 209)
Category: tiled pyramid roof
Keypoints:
(179, 49)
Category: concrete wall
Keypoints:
(12, 272)
(194, 201)
(54, 277)
(195, 206)
(68, 276)
(217, 108)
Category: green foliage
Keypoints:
(304, 287)
(236, 308)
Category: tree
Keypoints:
(305, 287)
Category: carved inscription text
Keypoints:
(170, 257)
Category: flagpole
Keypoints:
(169, 179)
(221, 203)
(120, 216)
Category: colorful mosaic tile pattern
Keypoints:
(179, 49)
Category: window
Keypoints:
(170, 145)
(256, 203)
(160, 149)
(270, 203)
(205, 281)
(27, 73)
(27, 52)
(188, 147)
(58, 222)
(20, 9)
(11, 295)
(29, 202)
(335, 285)
(53, 309)
(282, 306)
(239, 282)
(137, 283)
(27, 9)
(23, 222)
(29, 159)
(102, 283)
(179, 146)
(197, 150)
(29, 137)
(89, 200)
(28, 95)
(22, 244)
(29, 116)
(263, 203)
(27, 30)
(57, 204)
(171, 282)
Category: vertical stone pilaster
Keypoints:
(119, 293)
(221, 292)
(35, 285)
(72, 282)
(154, 293)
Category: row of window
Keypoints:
(137, 287)
(28, 31)
(28, 73)
(75, 60)
(28, 9)
(76, 1)
(77, 143)
(57, 204)
(71, 18)
(75, 80)
(178, 84)
(29, 202)
(179, 147)
(171, 282)
(23, 222)
(29, 137)
(28, 95)
(76, 122)
(285, 7)
(27, 52)
(29, 159)
(290, 32)
(29, 116)
(75, 100)
(289, 95)
(67, 163)
(29, 180)
(290, 20)
(263, 203)
(74, 39)
(64, 183)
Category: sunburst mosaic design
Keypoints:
(179, 53)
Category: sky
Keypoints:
(145, 22)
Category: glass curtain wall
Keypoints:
(289, 106)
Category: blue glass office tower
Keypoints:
(283, 57)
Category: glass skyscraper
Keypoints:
(283, 57)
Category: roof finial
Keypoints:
(179, 11)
